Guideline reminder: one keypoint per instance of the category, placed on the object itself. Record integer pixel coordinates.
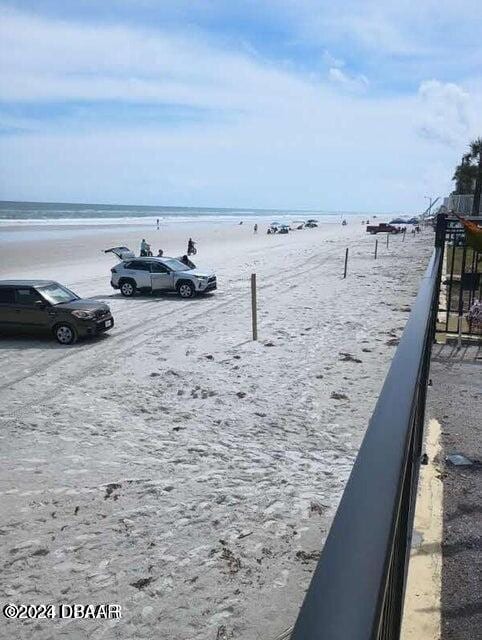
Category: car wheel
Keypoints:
(128, 288)
(65, 334)
(186, 290)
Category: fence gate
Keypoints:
(461, 279)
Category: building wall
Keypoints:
(461, 204)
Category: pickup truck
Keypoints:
(383, 227)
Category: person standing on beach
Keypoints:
(144, 248)
(158, 224)
(190, 247)
(256, 228)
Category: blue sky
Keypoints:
(361, 105)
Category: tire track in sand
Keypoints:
(114, 345)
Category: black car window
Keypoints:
(7, 296)
(57, 294)
(158, 267)
(26, 296)
(138, 265)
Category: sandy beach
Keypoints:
(174, 466)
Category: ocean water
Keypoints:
(57, 213)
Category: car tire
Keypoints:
(128, 288)
(65, 334)
(186, 289)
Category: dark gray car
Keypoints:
(47, 306)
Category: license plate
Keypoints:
(108, 323)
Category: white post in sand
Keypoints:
(254, 317)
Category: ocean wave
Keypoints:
(163, 220)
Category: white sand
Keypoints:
(176, 451)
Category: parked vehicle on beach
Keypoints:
(383, 227)
(148, 275)
(45, 306)
(413, 220)
(298, 224)
(311, 224)
(284, 228)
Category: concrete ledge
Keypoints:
(422, 612)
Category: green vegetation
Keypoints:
(468, 174)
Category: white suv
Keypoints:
(158, 274)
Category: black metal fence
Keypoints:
(461, 280)
(357, 590)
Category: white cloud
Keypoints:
(446, 112)
(376, 33)
(379, 26)
(45, 60)
(351, 83)
(278, 139)
(332, 61)
(396, 27)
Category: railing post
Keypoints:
(461, 297)
(440, 229)
(440, 236)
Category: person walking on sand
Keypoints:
(144, 248)
(158, 224)
(256, 228)
(191, 249)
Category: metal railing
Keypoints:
(461, 279)
(358, 586)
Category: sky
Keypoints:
(361, 105)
